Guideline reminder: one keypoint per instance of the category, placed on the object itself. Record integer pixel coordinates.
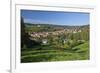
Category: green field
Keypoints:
(48, 53)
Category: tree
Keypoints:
(25, 38)
(22, 33)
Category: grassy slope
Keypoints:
(80, 52)
(82, 48)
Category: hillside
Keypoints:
(56, 43)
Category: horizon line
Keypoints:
(57, 24)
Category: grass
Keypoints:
(80, 52)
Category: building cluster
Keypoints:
(55, 33)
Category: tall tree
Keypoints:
(25, 37)
(22, 33)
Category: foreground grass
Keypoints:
(80, 52)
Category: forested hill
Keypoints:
(59, 26)
(53, 27)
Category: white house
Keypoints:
(44, 41)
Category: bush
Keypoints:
(66, 46)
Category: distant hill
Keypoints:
(57, 26)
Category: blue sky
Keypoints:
(53, 17)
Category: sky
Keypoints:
(53, 17)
